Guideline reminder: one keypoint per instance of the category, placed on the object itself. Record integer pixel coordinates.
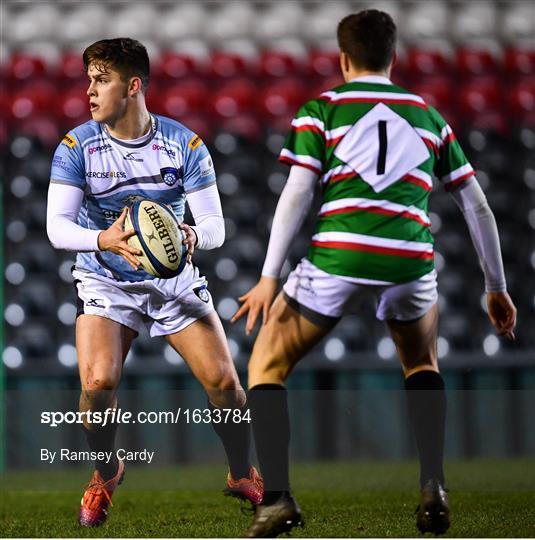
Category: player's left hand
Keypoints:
(190, 240)
(502, 313)
(257, 301)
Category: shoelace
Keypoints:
(96, 486)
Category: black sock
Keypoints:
(271, 429)
(236, 439)
(103, 440)
(427, 413)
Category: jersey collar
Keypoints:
(377, 79)
(143, 142)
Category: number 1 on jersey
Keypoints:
(383, 145)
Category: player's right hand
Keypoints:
(115, 238)
(502, 313)
(257, 300)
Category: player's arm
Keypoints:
(63, 206)
(209, 228)
(293, 206)
(484, 233)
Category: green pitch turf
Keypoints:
(360, 499)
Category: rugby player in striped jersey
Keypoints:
(126, 153)
(374, 147)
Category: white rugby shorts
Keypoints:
(324, 298)
(163, 306)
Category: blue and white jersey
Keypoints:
(172, 162)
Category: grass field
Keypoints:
(360, 499)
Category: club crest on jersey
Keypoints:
(202, 293)
(170, 175)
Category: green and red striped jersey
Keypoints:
(376, 147)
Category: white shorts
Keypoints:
(163, 306)
(326, 297)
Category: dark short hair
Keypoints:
(125, 55)
(368, 38)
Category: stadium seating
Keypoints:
(236, 72)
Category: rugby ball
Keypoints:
(159, 238)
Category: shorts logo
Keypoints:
(202, 293)
(94, 302)
(170, 175)
(195, 142)
(69, 141)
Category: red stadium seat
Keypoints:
(491, 121)
(228, 64)
(183, 99)
(32, 99)
(436, 91)
(278, 64)
(199, 125)
(283, 98)
(23, 68)
(519, 61)
(480, 95)
(43, 127)
(427, 62)
(324, 63)
(235, 97)
(175, 66)
(71, 69)
(522, 98)
(247, 126)
(323, 86)
(73, 107)
(473, 61)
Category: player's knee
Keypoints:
(222, 381)
(101, 383)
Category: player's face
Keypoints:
(108, 94)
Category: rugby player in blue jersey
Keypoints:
(100, 167)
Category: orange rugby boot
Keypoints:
(250, 488)
(97, 498)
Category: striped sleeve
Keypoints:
(452, 166)
(305, 144)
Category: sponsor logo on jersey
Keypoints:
(60, 163)
(195, 142)
(105, 174)
(69, 141)
(206, 166)
(131, 157)
(99, 149)
(202, 293)
(164, 149)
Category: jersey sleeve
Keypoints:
(199, 169)
(68, 163)
(305, 144)
(452, 166)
